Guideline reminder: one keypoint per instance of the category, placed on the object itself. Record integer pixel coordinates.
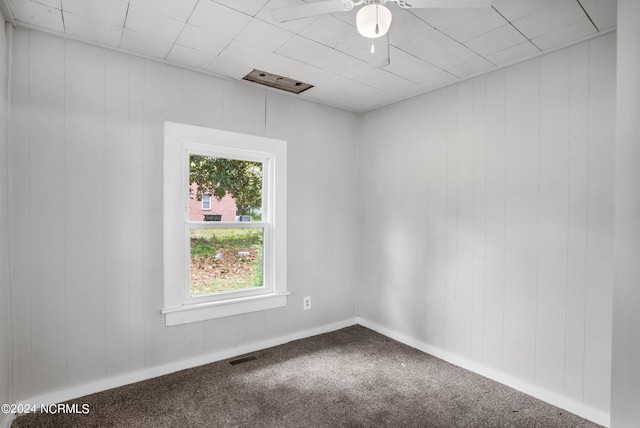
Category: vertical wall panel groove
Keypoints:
(577, 219)
(496, 211)
(47, 213)
(84, 211)
(6, 344)
(600, 221)
(153, 116)
(135, 213)
(19, 236)
(554, 196)
(117, 327)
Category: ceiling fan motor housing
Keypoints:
(373, 20)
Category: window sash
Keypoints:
(267, 262)
(236, 154)
(267, 246)
(206, 202)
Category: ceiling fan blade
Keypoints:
(378, 50)
(415, 4)
(291, 13)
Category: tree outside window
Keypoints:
(240, 179)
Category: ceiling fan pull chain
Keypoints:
(377, 26)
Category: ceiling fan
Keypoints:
(373, 20)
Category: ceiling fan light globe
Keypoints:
(373, 21)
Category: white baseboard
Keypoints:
(554, 398)
(128, 378)
(551, 397)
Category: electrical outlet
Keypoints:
(306, 303)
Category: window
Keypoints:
(206, 202)
(218, 268)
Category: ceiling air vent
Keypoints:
(278, 82)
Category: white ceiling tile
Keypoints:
(250, 7)
(496, 40)
(53, 3)
(470, 23)
(313, 75)
(317, 54)
(472, 68)
(263, 35)
(294, 26)
(112, 12)
(152, 24)
(382, 79)
(144, 45)
(349, 17)
(356, 94)
(406, 26)
(202, 40)
(335, 61)
(218, 19)
(324, 95)
(515, 9)
(38, 14)
(278, 64)
(342, 92)
(352, 87)
(229, 68)
(558, 15)
(438, 49)
(190, 57)
(244, 53)
(93, 31)
(177, 9)
(302, 49)
(602, 12)
(329, 31)
(514, 54)
(435, 17)
(359, 47)
(416, 70)
(565, 35)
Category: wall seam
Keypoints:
(537, 294)
(9, 31)
(586, 265)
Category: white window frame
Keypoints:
(181, 140)
(208, 199)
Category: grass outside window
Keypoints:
(225, 260)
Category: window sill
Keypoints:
(224, 308)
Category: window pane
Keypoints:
(206, 202)
(225, 260)
(235, 187)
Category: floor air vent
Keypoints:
(278, 82)
(242, 360)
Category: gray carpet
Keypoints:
(353, 377)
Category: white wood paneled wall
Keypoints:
(5, 331)
(85, 165)
(487, 215)
(625, 394)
